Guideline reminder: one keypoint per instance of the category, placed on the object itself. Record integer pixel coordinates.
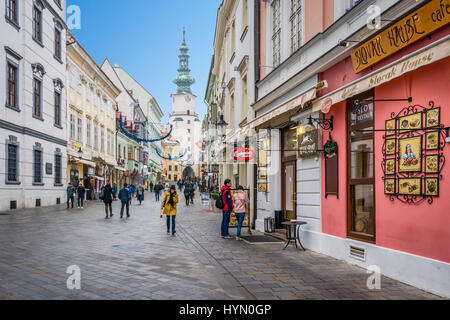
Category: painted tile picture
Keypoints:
(411, 122)
(432, 187)
(410, 150)
(390, 127)
(432, 163)
(391, 146)
(262, 174)
(410, 186)
(432, 140)
(389, 186)
(389, 167)
(433, 117)
(262, 187)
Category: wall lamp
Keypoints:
(325, 124)
(346, 43)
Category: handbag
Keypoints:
(162, 209)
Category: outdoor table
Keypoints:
(293, 233)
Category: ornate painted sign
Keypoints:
(413, 27)
(413, 154)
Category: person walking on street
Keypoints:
(151, 186)
(228, 208)
(81, 191)
(187, 193)
(169, 207)
(70, 194)
(124, 197)
(107, 195)
(140, 193)
(115, 191)
(157, 190)
(192, 193)
(240, 204)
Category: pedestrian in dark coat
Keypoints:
(226, 212)
(81, 191)
(70, 194)
(140, 193)
(157, 190)
(108, 199)
(124, 197)
(115, 191)
(188, 193)
(151, 186)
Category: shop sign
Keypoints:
(364, 113)
(307, 144)
(413, 27)
(243, 154)
(327, 105)
(90, 171)
(436, 52)
(215, 168)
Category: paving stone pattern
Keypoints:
(135, 259)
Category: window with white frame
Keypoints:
(88, 92)
(11, 11)
(102, 141)
(276, 33)
(78, 82)
(37, 164)
(12, 160)
(38, 7)
(71, 76)
(95, 137)
(108, 144)
(72, 126)
(88, 132)
(296, 24)
(79, 129)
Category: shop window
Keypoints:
(290, 142)
(361, 210)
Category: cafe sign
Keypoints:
(425, 56)
(307, 144)
(413, 27)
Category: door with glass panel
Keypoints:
(288, 173)
(360, 168)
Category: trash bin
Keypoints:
(278, 219)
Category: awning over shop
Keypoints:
(120, 169)
(424, 56)
(284, 111)
(88, 163)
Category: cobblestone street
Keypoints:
(135, 259)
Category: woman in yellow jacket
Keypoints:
(169, 208)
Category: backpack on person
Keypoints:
(219, 202)
(102, 194)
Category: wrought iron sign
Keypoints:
(413, 147)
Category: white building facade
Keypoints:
(183, 118)
(33, 111)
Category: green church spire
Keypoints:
(184, 80)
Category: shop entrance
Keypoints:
(289, 192)
(289, 173)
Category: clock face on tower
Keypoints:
(188, 98)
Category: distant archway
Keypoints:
(188, 172)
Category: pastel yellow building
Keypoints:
(91, 112)
(172, 170)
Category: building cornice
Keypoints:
(32, 133)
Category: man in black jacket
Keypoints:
(108, 199)
(81, 191)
